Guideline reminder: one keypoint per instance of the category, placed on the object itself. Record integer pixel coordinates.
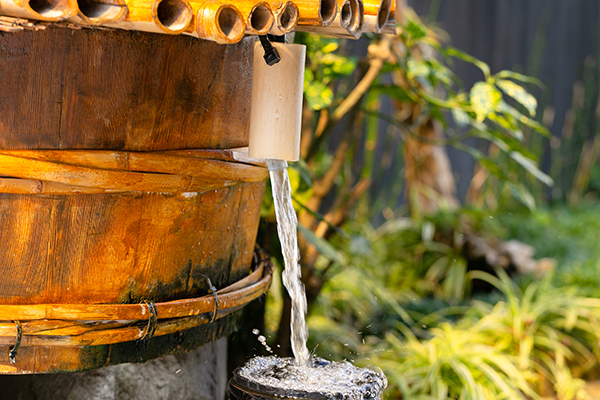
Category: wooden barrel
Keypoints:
(122, 215)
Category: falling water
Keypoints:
(303, 376)
(287, 225)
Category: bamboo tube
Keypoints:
(97, 12)
(286, 18)
(310, 15)
(159, 16)
(257, 16)
(219, 22)
(390, 25)
(347, 24)
(44, 10)
(376, 15)
(355, 28)
(276, 105)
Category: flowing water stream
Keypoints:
(287, 225)
(301, 377)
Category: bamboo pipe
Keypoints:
(390, 25)
(347, 24)
(355, 28)
(44, 10)
(286, 17)
(220, 22)
(376, 15)
(159, 16)
(324, 15)
(257, 16)
(98, 12)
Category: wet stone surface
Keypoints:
(282, 377)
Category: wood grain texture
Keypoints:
(121, 248)
(121, 90)
(112, 91)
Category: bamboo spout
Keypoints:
(219, 22)
(286, 18)
(311, 16)
(376, 15)
(98, 12)
(173, 16)
(44, 10)
(276, 105)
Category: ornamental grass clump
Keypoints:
(453, 364)
(552, 333)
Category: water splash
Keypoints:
(287, 228)
(322, 379)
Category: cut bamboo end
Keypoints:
(286, 18)
(355, 27)
(276, 105)
(258, 16)
(377, 13)
(172, 16)
(347, 23)
(324, 15)
(51, 10)
(345, 14)
(98, 12)
(219, 22)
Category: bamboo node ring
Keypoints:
(12, 354)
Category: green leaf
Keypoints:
(518, 77)
(344, 66)
(322, 246)
(395, 92)
(531, 167)
(507, 109)
(485, 99)
(330, 47)
(519, 94)
(521, 193)
(309, 76)
(461, 118)
(318, 95)
(417, 69)
(416, 30)
(470, 59)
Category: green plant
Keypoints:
(341, 155)
(453, 364)
(550, 329)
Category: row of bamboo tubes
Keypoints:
(102, 324)
(222, 21)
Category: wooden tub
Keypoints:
(121, 211)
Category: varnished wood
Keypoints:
(121, 90)
(117, 188)
(125, 171)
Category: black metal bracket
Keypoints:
(271, 56)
